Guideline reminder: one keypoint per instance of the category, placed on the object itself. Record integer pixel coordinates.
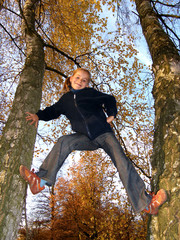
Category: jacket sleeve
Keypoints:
(51, 112)
(109, 103)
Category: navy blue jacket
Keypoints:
(85, 109)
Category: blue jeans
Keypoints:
(131, 180)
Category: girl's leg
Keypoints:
(55, 159)
(131, 180)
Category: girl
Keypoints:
(85, 108)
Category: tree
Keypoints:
(166, 61)
(15, 146)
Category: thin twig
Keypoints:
(12, 39)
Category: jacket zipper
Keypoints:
(75, 102)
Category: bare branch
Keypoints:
(12, 11)
(126, 151)
(170, 15)
(13, 40)
(2, 122)
(62, 53)
(165, 4)
(56, 71)
(160, 16)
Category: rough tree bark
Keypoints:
(17, 143)
(166, 92)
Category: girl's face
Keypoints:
(79, 80)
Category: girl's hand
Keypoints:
(33, 118)
(110, 119)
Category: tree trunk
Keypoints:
(17, 143)
(166, 92)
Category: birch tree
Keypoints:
(166, 92)
(16, 147)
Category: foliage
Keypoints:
(87, 205)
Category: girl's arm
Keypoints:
(51, 112)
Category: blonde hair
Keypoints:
(67, 82)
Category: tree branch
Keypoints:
(12, 39)
(2, 122)
(56, 71)
(126, 151)
(164, 4)
(170, 15)
(163, 22)
(12, 11)
(62, 53)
